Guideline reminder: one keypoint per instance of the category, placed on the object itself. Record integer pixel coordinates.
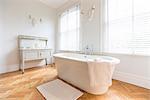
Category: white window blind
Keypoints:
(128, 27)
(70, 29)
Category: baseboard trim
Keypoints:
(132, 79)
(9, 68)
(15, 67)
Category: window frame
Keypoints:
(104, 32)
(59, 33)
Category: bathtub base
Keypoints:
(94, 90)
(76, 72)
(98, 90)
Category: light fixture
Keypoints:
(34, 21)
(91, 13)
(88, 9)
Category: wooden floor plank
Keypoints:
(17, 86)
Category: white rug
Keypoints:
(59, 90)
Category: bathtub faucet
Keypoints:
(88, 50)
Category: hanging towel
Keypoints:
(100, 72)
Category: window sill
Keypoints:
(69, 51)
(125, 54)
(106, 53)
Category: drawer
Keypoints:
(30, 55)
(45, 54)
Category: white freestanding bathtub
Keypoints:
(75, 69)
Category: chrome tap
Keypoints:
(92, 51)
(88, 50)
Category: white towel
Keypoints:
(100, 72)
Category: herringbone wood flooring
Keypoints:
(17, 86)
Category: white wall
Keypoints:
(16, 22)
(1, 17)
(90, 29)
(132, 69)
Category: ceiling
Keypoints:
(54, 3)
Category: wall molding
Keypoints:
(132, 79)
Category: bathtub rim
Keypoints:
(61, 55)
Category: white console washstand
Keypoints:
(33, 48)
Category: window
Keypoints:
(70, 29)
(128, 27)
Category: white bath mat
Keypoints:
(59, 90)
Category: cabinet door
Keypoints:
(30, 55)
(45, 54)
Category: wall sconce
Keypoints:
(34, 21)
(89, 13)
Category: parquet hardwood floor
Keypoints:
(17, 86)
